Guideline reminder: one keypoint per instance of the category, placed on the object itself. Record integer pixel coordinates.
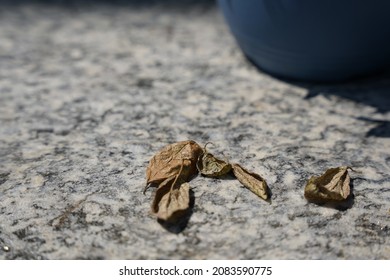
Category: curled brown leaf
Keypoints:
(210, 166)
(252, 181)
(178, 159)
(333, 185)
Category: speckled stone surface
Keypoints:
(88, 93)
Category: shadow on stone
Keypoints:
(372, 90)
(180, 223)
(269, 194)
(382, 128)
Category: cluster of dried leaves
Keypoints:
(175, 165)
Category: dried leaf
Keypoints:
(164, 188)
(252, 181)
(333, 185)
(210, 166)
(171, 203)
(174, 160)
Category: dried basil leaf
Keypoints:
(333, 185)
(210, 166)
(252, 181)
(172, 160)
(172, 204)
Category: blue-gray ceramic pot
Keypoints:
(312, 40)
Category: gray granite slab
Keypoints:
(88, 93)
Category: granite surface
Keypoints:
(89, 92)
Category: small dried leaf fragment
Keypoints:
(171, 204)
(252, 181)
(210, 166)
(333, 185)
(173, 160)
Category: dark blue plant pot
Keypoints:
(324, 40)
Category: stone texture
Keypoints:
(89, 92)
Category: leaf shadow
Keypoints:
(181, 223)
(269, 194)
